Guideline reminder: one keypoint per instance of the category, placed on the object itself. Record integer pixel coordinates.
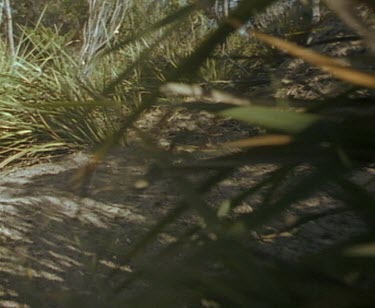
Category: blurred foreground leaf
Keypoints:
(281, 120)
(336, 67)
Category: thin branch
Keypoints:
(104, 21)
(8, 12)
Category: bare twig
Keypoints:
(1, 11)
(8, 13)
(104, 21)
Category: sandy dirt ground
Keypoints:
(55, 243)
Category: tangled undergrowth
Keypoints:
(53, 102)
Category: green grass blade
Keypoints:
(273, 118)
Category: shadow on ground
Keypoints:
(55, 244)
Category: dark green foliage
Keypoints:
(66, 15)
(224, 271)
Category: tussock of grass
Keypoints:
(34, 85)
(47, 85)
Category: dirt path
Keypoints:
(55, 244)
